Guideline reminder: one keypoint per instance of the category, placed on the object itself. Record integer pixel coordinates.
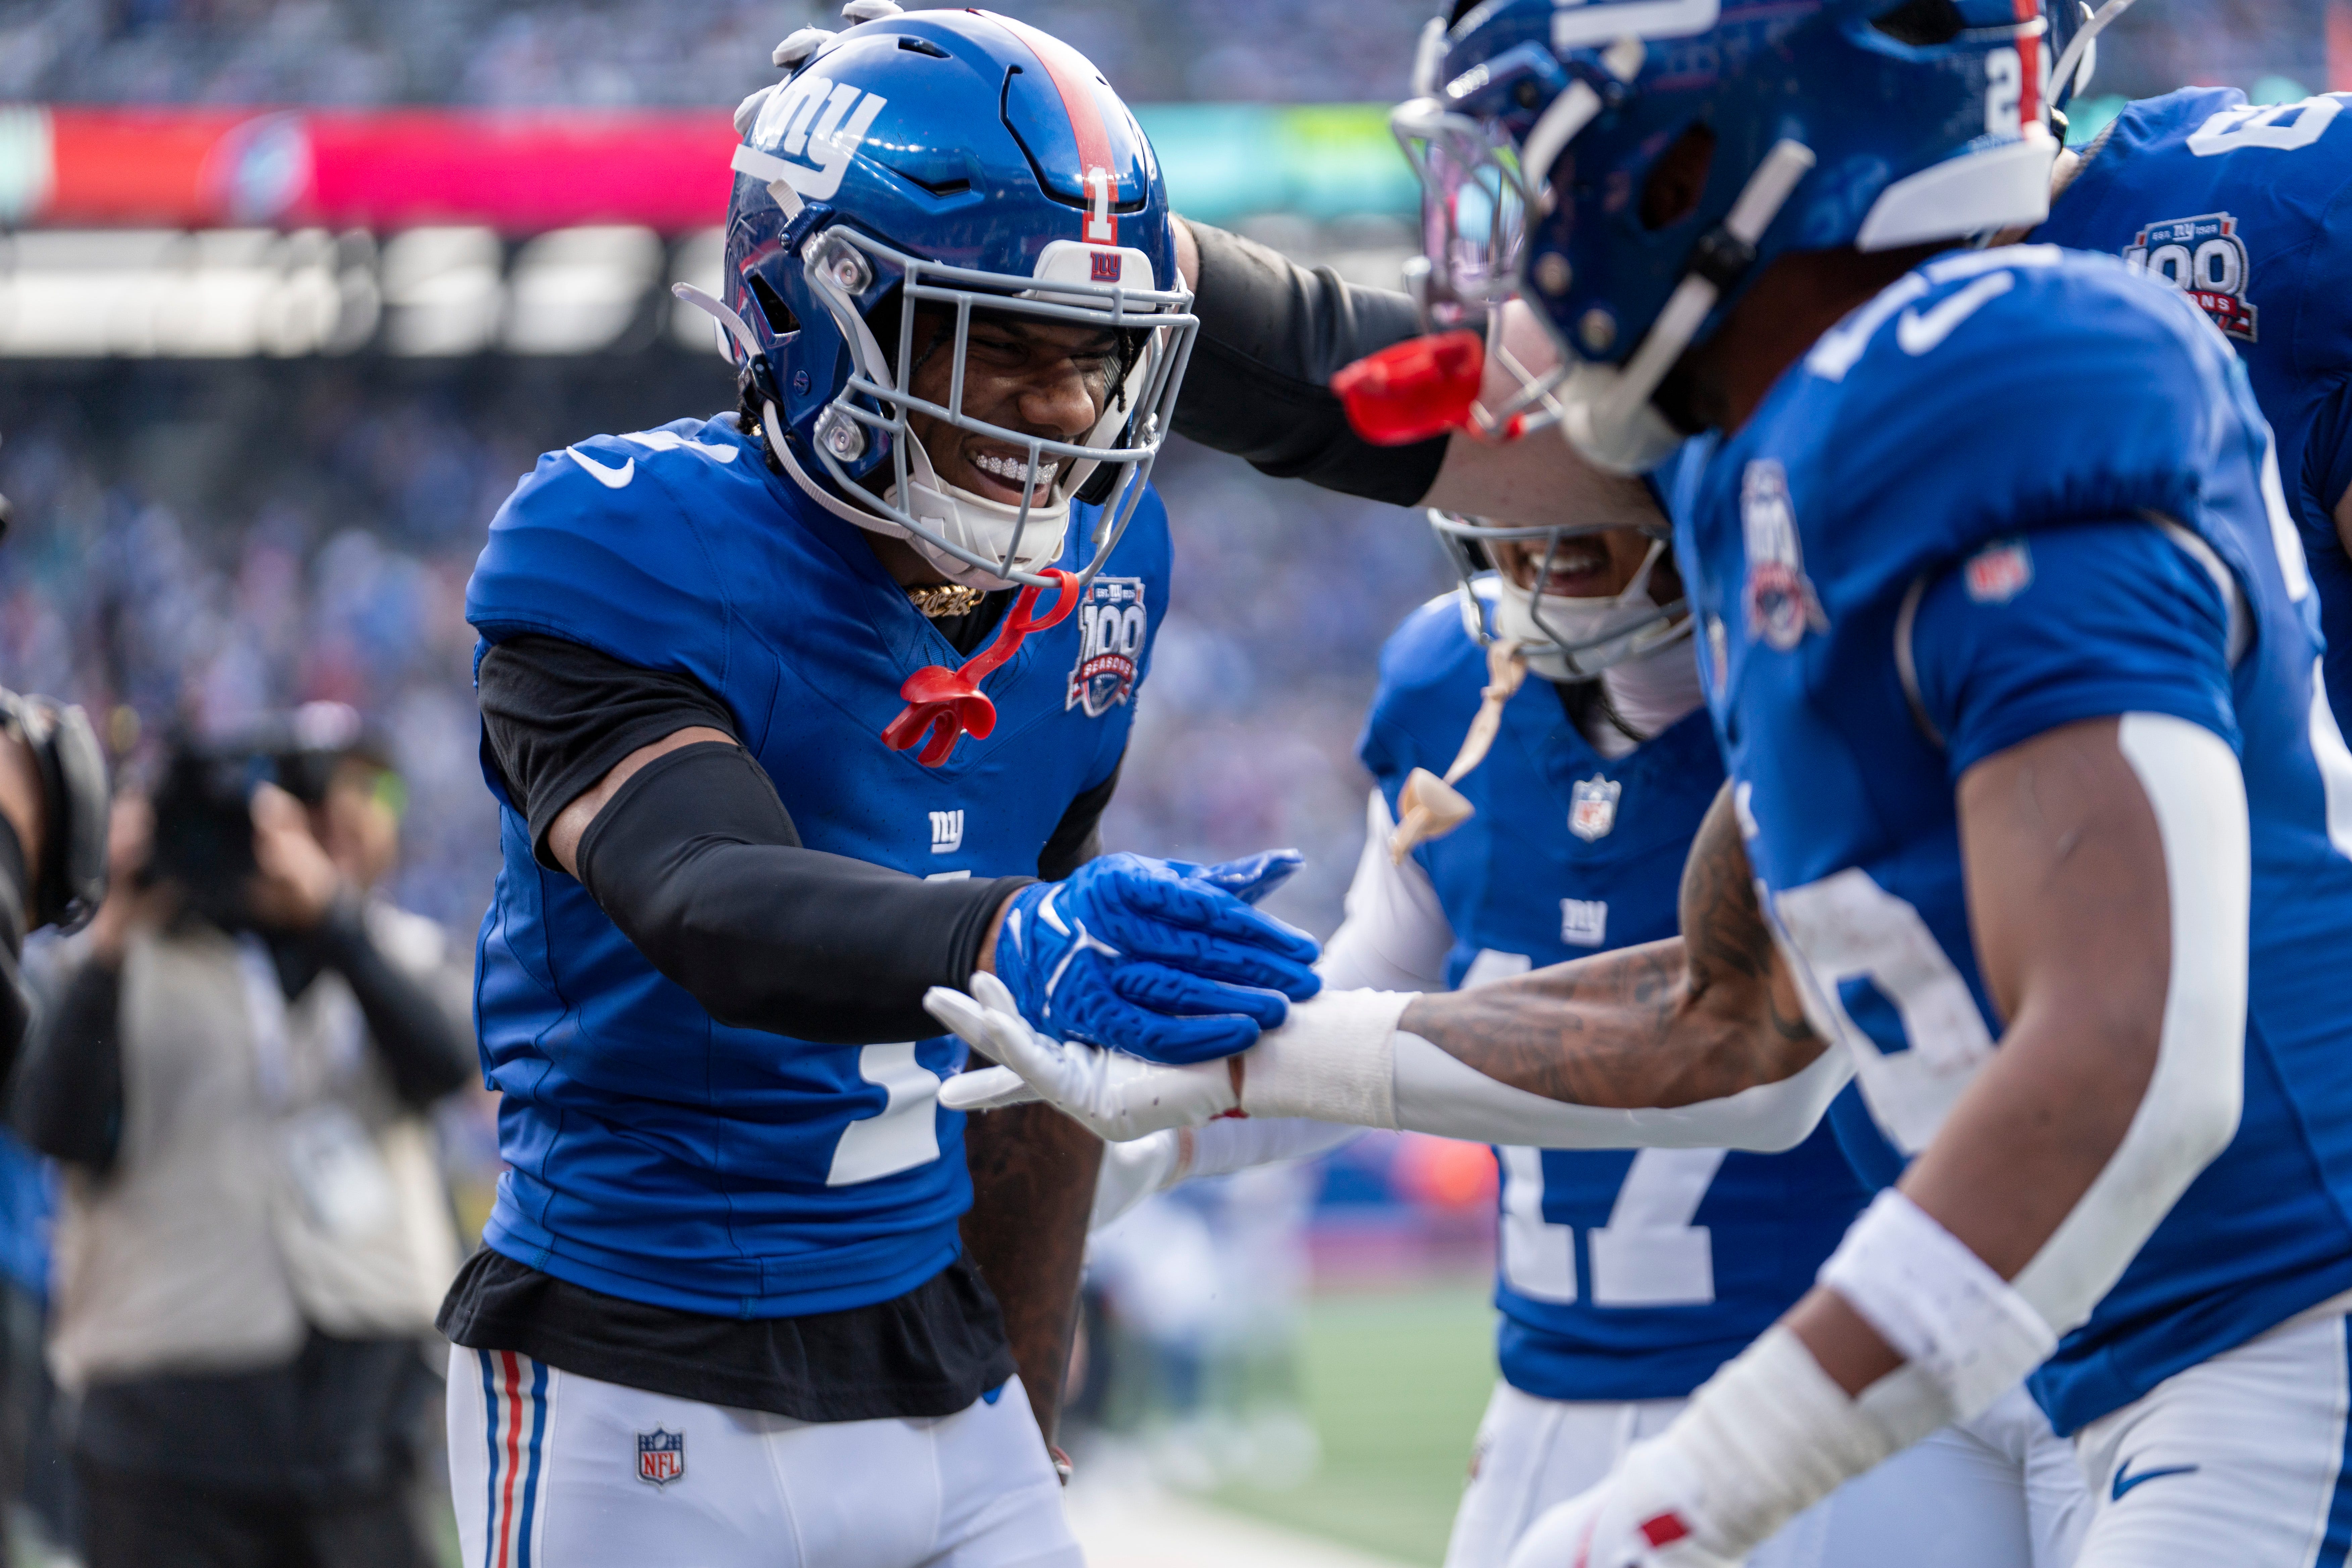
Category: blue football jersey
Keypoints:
(2248, 210)
(655, 1154)
(1623, 1275)
(1912, 497)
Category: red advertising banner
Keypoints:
(519, 172)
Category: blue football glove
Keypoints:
(1161, 958)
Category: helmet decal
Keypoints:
(1074, 78)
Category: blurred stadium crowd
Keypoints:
(650, 53)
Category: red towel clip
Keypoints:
(944, 705)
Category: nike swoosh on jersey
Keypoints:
(612, 477)
(2125, 1480)
(1921, 330)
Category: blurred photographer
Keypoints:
(254, 1236)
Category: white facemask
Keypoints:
(1577, 638)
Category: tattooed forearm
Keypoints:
(1033, 1185)
(1699, 1017)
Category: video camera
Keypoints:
(204, 803)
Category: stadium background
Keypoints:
(264, 378)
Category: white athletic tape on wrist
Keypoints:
(1937, 1303)
(1333, 1060)
(1765, 1438)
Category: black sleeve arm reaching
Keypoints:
(425, 1052)
(1272, 336)
(70, 1092)
(698, 862)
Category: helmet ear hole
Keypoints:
(1677, 180)
(780, 320)
(1923, 24)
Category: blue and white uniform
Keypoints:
(1915, 556)
(2248, 210)
(655, 1152)
(660, 1156)
(1626, 1279)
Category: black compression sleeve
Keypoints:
(69, 1096)
(1272, 336)
(556, 716)
(1077, 837)
(698, 862)
(423, 1049)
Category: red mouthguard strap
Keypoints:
(945, 705)
(1417, 389)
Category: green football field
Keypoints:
(1394, 1384)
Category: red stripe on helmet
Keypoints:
(2028, 58)
(1074, 78)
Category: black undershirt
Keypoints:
(556, 716)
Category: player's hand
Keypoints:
(1636, 1518)
(1133, 1171)
(1113, 1095)
(1163, 959)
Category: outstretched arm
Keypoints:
(1694, 1042)
(1699, 1017)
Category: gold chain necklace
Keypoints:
(939, 601)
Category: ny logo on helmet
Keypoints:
(816, 126)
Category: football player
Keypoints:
(787, 711)
(1568, 718)
(2243, 207)
(2018, 699)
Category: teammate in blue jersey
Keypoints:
(787, 712)
(2020, 696)
(1625, 1279)
(2248, 210)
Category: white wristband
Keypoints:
(1765, 1438)
(1333, 1060)
(1937, 1303)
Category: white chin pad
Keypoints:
(1609, 429)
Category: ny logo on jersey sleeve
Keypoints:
(1111, 628)
(2205, 259)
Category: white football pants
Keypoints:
(2238, 1460)
(2002, 1491)
(554, 1470)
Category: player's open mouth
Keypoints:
(1580, 568)
(1000, 476)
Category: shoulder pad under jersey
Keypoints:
(607, 542)
(1988, 391)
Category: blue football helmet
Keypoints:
(935, 164)
(1874, 123)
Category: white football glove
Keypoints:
(1118, 1097)
(1133, 1171)
(1634, 1518)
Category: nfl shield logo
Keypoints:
(1999, 573)
(661, 1456)
(1593, 807)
